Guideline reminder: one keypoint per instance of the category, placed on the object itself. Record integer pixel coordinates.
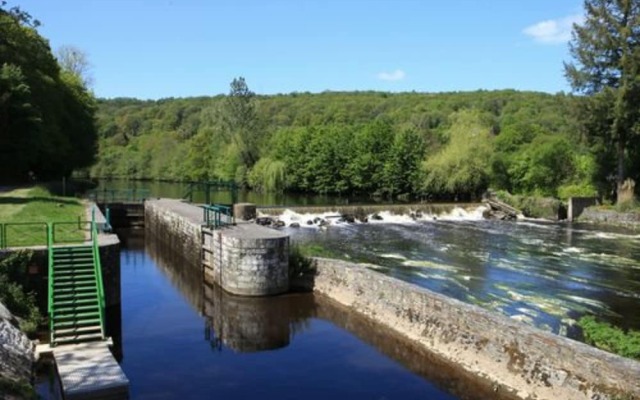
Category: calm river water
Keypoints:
(181, 339)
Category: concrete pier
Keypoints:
(89, 371)
(244, 259)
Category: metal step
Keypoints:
(71, 292)
(78, 338)
(76, 278)
(70, 285)
(78, 330)
(75, 301)
(62, 312)
(75, 323)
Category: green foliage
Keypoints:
(360, 142)
(606, 67)
(299, 264)
(17, 390)
(13, 293)
(610, 338)
(240, 121)
(463, 165)
(46, 114)
(268, 175)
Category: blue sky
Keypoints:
(178, 48)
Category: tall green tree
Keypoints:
(606, 67)
(46, 114)
(240, 121)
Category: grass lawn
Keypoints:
(37, 206)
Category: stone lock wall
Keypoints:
(180, 234)
(248, 260)
(528, 362)
(244, 259)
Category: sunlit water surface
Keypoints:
(543, 274)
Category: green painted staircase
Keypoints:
(76, 295)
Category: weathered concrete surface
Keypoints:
(245, 259)
(89, 371)
(244, 211)
(531, 363)
(177, 225)
(577, 205)
(16, 350)
(611, 217)
(248, 260)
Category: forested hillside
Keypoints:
(438, 145)
(46, 112)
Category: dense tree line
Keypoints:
(443, 145)
(47, 126)
(447, 145)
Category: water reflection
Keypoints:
(250, 325)
(242, 324)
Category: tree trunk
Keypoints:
(620, 171)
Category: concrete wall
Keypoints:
(611, 217)
(576, 206)
(173, 230)
(245, 259)
(248, 260)
(517, 358)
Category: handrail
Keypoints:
(118, 195)
(217, 215)
(98, 270)
(50, 278)
(4, 243)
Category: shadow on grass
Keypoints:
(26, 200)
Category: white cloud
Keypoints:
(396, 75)
(553, 31)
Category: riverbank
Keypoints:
(518, 358)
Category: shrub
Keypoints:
(13, 292)
(612, 339)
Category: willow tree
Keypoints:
(606, 68)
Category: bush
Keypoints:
(612, 339)
(299, 264)
(13, 293)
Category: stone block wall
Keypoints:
(248, 260)
(244, 259)
(175, 231)
(577, 205)
(518, 358)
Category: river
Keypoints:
(546, 274)
(180, 338)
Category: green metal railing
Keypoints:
(23, 234)
(50, 276)
(98, 270)
(208, 186)
(217, 215)
(16, 234)
(119, 195)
